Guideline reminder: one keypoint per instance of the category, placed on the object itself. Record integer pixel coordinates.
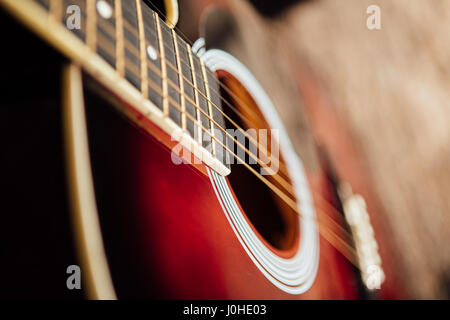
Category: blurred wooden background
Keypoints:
(391, 87)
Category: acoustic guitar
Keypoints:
(164, 168)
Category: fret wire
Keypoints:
(283, 182)
(56, 10)
(108, 53)
(132, 49)
(188, 90)
(198, 110)
(129, 13)
(219, 83)
(344, 232)
(210, 103)
(282, 195)
(253, 140)
(273, 187)
(163, 68)
(208, 116)
(228, 91)
(91, 24)
(319, 230)
(282, 167)
(107, 27)
(44, 3)
(344, 244)
(197, 104)
(205, 80)
(131, 67)
(197, 91)
(136, 52)
(180, 79)
(293, 204)
(109, 46)
(169, 64)
(127, 25)
(178, 107)
(109, 49)
(214, 123)
(290, 202)
(286, 185)
(278, 191)
(144, 75)
(120, 45)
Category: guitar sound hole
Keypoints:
(272, 218)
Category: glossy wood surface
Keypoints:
(166, 235)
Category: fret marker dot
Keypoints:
(104, 9)
(152, 54)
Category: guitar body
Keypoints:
(166, 232)
(161, 229)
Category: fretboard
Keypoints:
(145, 52)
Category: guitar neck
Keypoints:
(127, 47)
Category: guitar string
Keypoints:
(131, 29)
(344, 242)
(179, 91)
(335, 223)
(346, 248)
(351, 258)
(188, 46)
(184, 38)
(176, 88)
(219, 94)
(224, 87)
(286, 185)
(277, 191)
(133, 50)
